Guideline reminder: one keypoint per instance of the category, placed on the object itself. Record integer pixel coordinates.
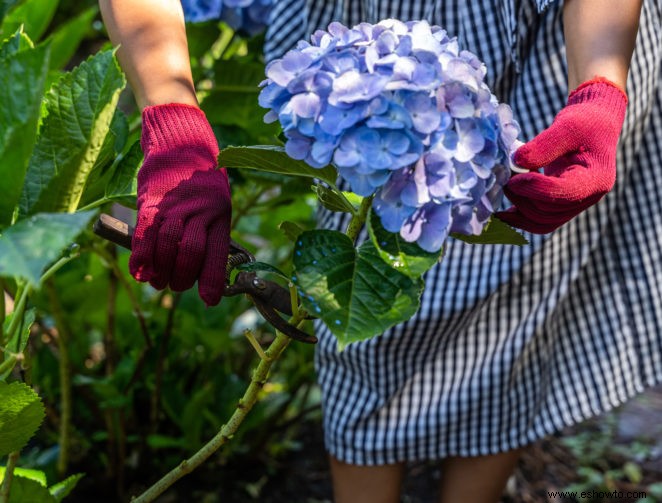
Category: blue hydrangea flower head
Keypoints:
(403, 113)
(250, 16)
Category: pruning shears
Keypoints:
(268, 297)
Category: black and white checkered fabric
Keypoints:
(510, 344)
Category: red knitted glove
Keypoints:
(578, 154)
(184, 208)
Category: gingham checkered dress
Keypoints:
(510, 343)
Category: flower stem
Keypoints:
(19, 307)
(9, 476)
(357, 221)
(243, 407)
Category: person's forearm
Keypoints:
(153, 49)
(600, 37)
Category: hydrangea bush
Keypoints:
(405, 116)
(250, 16)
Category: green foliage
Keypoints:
(25, 490)
(495, 232)
(604, 465)
(66, 39)
(333, 200)
(273, 159)
(353, 290)
(16, 343)
(20, 416)
(23, 71)
(408, 258)
(27, 247)
(26, 473)
(82, 104)
(33, 15)
(62, 489)
(30, 486)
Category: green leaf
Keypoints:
(19, 41)
(495, 232)
(633, 472)
(34, 15)
(291, 230)
(21, 413)
(62, 489)
(262, 267)
(107, 160)
(273, 159)
(23, 73)
(408, 258)
(66, 39)
(26, 473)
(123, 185)
(332, 199)
(352, 198)
(354, 291)
(24, 490)
(27, 247)
(79, 109)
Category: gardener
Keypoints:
(510, 343)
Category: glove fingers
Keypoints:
(167, 244)
(532, 210)
(212, 276)
(515, 218)
(573, 186)
(141, 262)
(552, 143)
(190, 256)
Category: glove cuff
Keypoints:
(176, 126)
(599, 89)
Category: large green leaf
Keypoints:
(23, 73)
(66, 39)
(33, 15)
(27, 247)
(273, 159)
(353, 291)
(21, 413)
(79, 109)
(495, 232)
(408, 258)
(26, 490)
